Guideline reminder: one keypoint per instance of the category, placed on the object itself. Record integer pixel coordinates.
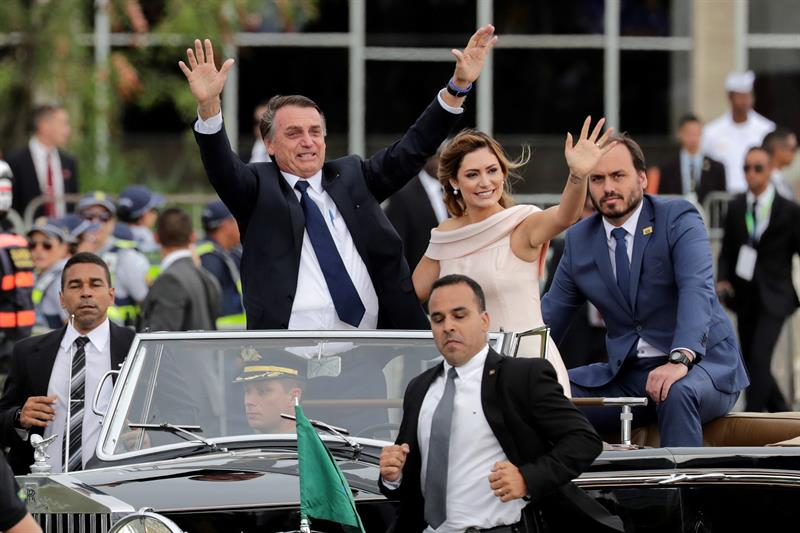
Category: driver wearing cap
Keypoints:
(271, 387)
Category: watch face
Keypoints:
(678, 357)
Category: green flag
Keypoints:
(324, 493)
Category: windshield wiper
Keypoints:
(340, 432)
(182, 430)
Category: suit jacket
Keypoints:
(672, 290)
(771, 287)
(412, 215)
(539, 429)
(31, 365)
(712, 178)
(271, 220)
(26, 182)
(184, 297)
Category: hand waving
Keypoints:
(469, 63)
(583, 156)
(205, 81)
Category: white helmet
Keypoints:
(6, 178)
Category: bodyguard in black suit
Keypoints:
(689, 171)
(482, 435)
(366, 279)
(761, 293)
(26, 406)
(51, 132)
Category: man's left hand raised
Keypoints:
(507, 482)
(662, 378)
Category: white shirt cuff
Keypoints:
(451, 109)
(210, 126)
(694, 355)
(392, 485)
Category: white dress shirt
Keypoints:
(471, 502)
(313, 307)
(433, 188)
(643, 348)
(98, 362)
(40, 154)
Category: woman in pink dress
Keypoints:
(498, 244)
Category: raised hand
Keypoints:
(469, 63)
(205, 81)
(585, 154)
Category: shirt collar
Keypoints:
(174, 256)
(629, 225)
(472, 368)
(314, 181)
(98, 336)
(37, 148)
(765, 197)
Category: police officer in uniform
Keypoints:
(220, 254)
(16, 273)
(128, 266)
(48, 243)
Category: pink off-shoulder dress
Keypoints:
(483, 252)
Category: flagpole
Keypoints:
(304, 526)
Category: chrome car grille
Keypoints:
(73, 522)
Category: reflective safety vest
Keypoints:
(17, 315)
(44, 321)
(125, 310)
(235, 321)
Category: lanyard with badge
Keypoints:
(746, 262)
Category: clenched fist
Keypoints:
(507, 482)
(392, 460)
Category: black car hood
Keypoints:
(222, 480)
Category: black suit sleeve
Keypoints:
(12, 510)
(729, 250)
(575, 443)
(15, 392)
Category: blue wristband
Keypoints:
(457, 91)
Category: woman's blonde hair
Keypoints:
(466, 142)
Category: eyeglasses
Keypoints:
(91, 216)
(44, 244)
(756, 168)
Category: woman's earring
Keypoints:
(455, 191)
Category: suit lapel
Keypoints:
(296, 217)
(492, 409)
(344, 203)
(44, 358)
(603, 262)
(640, 242)
(415, 402)
(119, 345)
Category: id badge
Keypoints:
(746, 262)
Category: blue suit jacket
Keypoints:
(672, 294)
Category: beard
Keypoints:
(623, 211)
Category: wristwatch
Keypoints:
(679, 358)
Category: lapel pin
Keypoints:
(648, 230)
(491, 371)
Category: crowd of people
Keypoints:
(301, 242)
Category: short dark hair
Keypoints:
(43, 111)
(758, 149)
(633, 148)
(774, 138)
(83, 258)
(688, 117)
(277, 102)
(455, 279)
(174, 227)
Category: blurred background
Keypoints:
(373, 66)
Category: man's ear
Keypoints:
(643, 180)
(485, 321)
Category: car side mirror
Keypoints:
(96, 398)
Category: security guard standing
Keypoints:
(128, 266)
(48, 243)
(220, 255)
(16, 279)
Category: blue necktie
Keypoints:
(623, 266)
(346, 300)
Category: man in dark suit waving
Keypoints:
(318, 251)
(482, 434)
(762, 235)
(53, 376)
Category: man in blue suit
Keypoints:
(645, 263)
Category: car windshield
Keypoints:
(235, 386)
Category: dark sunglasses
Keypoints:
(757, 168)
(91, 216)
(44, 244)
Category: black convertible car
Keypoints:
(184, 448)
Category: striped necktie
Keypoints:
(71, 455)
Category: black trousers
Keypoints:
(758, 334)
